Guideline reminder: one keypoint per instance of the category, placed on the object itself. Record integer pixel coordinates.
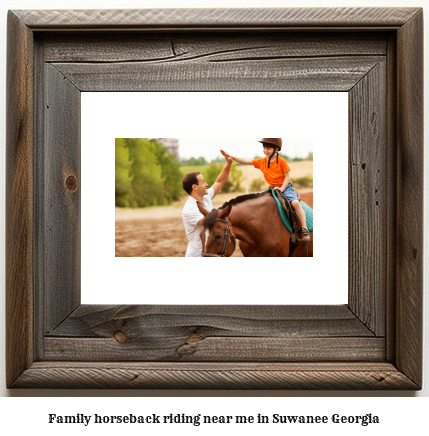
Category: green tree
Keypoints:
(303, 182)
(194, 162)
(232, 184)
(123, 179)
(257, 185)
(170, 173)
(145, 174)
(147, 185)
(218, 159)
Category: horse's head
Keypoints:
(218, 239)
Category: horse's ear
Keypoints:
(225, 212)
(202, 209)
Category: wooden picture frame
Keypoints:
(373, 342)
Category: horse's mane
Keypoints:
(242, 198)
(210, 219)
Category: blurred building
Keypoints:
(172, 145)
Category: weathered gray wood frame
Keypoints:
(374, 342)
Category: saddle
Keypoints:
(290, 218)
(294, 221)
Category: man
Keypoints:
(196, 187)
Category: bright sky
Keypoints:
(245, 148)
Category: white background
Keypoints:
(400, 414)
(107, 279)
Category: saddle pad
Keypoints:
(307, 209)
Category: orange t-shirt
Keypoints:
(275, 174)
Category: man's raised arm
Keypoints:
(222, 177)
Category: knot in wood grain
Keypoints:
(186, 349)
(189, 347)
(120, 337)
(70, 183)
(193, 338)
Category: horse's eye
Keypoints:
(218, 236)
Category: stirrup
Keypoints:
(305, 235)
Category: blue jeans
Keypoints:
(289, 193)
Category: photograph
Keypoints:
(174, 196)
(211, 163)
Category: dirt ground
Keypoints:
(159, 232)
(154, 232)
(164, 237)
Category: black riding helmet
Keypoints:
(274, 142)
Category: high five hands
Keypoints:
(227, 156)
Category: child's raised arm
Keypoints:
(237, 159)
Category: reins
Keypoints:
(227, 237)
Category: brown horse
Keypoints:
(253, 220)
